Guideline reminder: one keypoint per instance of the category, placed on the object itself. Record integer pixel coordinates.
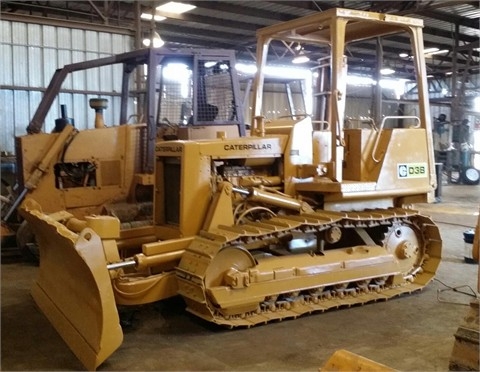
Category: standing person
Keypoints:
(441, 136)
(465, 147)
(464, 132)
(440, 124)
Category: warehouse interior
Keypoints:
(240, 185)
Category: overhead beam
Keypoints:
(189, 17)
(309, 5)
(447, 34)
(67, 23)
(427, 10)
(232, 7)
(225, 37)
(183, 41)
(451, 18)
(29, 7)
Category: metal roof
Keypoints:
(233, 24)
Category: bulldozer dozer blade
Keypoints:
(73, 289)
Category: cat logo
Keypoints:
(412, 170)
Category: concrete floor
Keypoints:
(411, 333)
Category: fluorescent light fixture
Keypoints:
(221, 66)
(403, 55)
(439, 52)
(387, 71)
(148, 17)
(430, 50)
(157, 41)
(210, 64)
(176, 8)
(301, 58)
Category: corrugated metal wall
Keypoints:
(30, 54)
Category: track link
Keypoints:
(224, 280)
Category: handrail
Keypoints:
(379, 132)
(340, 139)
(325, 123)
(304, 115)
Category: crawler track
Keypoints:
(229, 276)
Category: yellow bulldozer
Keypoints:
(303, 214)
